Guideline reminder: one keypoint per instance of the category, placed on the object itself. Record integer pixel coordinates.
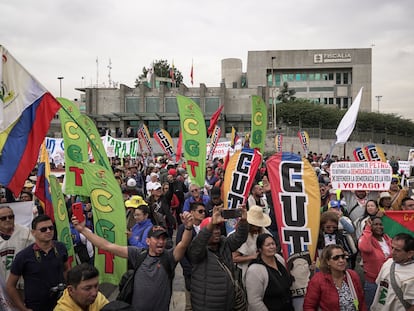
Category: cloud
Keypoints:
(63, 38)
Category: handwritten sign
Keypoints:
(361, 175)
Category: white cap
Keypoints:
(131, 183)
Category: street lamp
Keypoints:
(273, 95)
(378, 97)
(60, 85)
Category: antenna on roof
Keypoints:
(109, 73)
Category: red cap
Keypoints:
(172, 172)
(205, 222)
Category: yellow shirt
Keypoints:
(66, 303)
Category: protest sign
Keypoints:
(361, 175)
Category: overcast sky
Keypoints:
(54, 38)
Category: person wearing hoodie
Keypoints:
(82, 291)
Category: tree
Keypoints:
(286, 95)
(161, 68)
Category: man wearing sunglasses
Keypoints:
(43, 266)
(13, 238)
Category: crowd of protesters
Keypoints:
(356, 262)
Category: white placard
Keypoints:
(374, 175)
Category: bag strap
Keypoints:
(225, 268)
(352, 288)
(397, 289)
(353, 208)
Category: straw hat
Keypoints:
(135, 201)
(256, 217)
(28, 184)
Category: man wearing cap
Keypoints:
(258, 221)
(209, 252)
(152, 286)
(151, 184)
(13, 238)
(160, 211)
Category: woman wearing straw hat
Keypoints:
(258, 221)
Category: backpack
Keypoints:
(126, 285)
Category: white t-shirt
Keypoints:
(385, 298)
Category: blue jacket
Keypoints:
(139, 234)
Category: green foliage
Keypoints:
(161, 69)
(309, 115)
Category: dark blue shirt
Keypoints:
(41, 271)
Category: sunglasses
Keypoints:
(342, 256)
(201, 211)
(194, 190)
(44, 229)
(8, 217)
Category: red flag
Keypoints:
(192, 74)
(179, 148)
(214, 119)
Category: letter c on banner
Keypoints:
(189, 126)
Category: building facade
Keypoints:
(328, 77)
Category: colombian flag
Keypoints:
(26, 110)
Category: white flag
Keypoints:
(347, 124)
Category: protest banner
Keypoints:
(296, 200)
(371, 175)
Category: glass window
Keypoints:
(317, 76)
(298, 77)
(346, 78)
(278, 79)
(325, 100)
(304, 76)
(345, 105)
(338, 103)
(338, 78)
(152, 126)
(173, 127)
(325, 76)
(291, 77)
(212, 104)
(331, 100)
(152, 104)
(196, 100)
(132, 104)
(330, 76)
(269, 80)
(171, 104)
(311, 76)
(285, 77)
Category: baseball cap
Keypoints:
(156, 186)
(157, 231)
(131, 182)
